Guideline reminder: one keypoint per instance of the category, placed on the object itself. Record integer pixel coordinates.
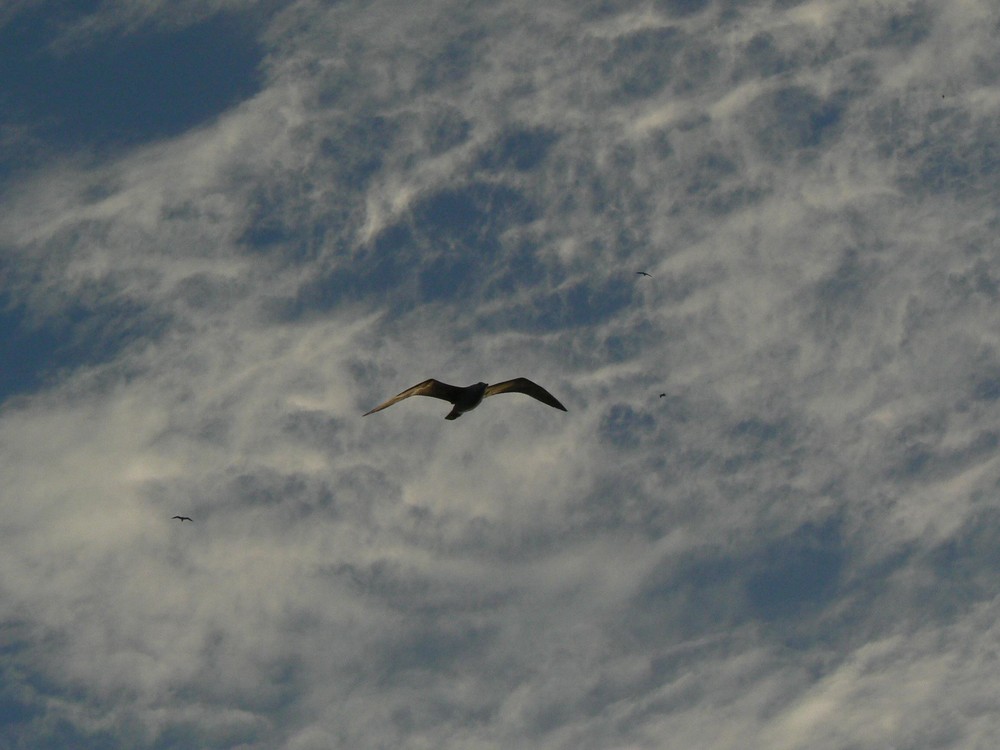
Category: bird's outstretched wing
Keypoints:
(433, 388)
(523, 385)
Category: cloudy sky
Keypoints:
(768, 518)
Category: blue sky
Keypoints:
(229, 228)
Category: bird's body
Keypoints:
(468, 398)
(182, 519)
(643, 273)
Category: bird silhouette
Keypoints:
(182, 519)
(643, 273)
(468, 398)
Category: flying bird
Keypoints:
(643, 273)
(468, 398)
(182, 519)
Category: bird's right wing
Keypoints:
(433, 388)
(523, 385)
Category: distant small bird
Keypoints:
(643, 273)
(663, 395)
(468, 398)
(182, 519)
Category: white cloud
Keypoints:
(792, 546)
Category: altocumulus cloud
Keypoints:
(207, 279)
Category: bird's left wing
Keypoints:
(523, 385)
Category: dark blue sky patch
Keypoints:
(385, 268)
(761, 58)
(640, 63)
(987, 388)
(432, 648)
(625, 504)
(452, 213)
(792, 119)
(624, 427)
(520, 150)
(840, 298)
(696, 64)
(61, 734)
(709, 169)
(471, 215)
(17, 704)
(730, 199)
(754, 440)
(966, 567)
(905, 29)
(265, 228)
(623, 345)
(206, 292)
(279, 224)
(920, 457)
(797, 571)
(296, 495)
(35, 352)
(27, 721)
(46, 732)
(708, 590)
(715, 183)
(121, 91)
(453, 63)
(27, 355)
(957, 154)
(757, 433)
(681, 7)
(981, 279)
(457, 231)
(177, 734)
(356, 151)
(519, 268)
(690, 596)
(447, 276)
(314, 428)
(444, 129)
(388, 258)
(443, 250)
(407, 590)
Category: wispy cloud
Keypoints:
(791, 546)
